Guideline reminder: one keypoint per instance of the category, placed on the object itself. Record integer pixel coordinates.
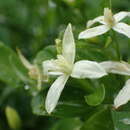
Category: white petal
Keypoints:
(69, 45)
(55, 73)
(25, 62)
(39, 81)
(92, 32)
(121, 15)
(116, 67)
(50, 68)
(99, 19)
(122, 28)
(124, 95)
(87, 69)
(54, 93)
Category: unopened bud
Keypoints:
(58, 46)
(108, 17)
(13, 118)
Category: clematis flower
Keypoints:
(109, 21)
(33, 70)
(64, 67)
(122, 68)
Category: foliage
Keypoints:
(32, 26)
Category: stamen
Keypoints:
(59, 65)
(108, 17)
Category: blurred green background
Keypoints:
(32, 25)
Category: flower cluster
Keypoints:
(65, 66)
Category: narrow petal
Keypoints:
(40, 79)
(25, 62)
(39, 82)
(121, 15)
(92, 32)
(122, 28)
(51, 68)
(99, 19)
(87, 69)
(55, 92)
(124, 95)
(69, 45)
(122, 68)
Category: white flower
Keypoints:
(109, 21)
(64, 67)
(33, 70)
(123, 96)
(115, 67)
(122, 68)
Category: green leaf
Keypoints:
(5, 94)
(89, 52)
(112, 89)
(71, 104)
(95, 52)
(100, 120)
(121, 120)
(68, 124)
(97, 97)
(7, 72)
(47, 53)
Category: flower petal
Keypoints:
(124, 95)
(54, 93)
(99, 19)
(121, 15)
(122, 28)
(25, 62)
(122, 68)
(92, 32)
(69, 45)
(50, 68)
(39, 81)
(87, 69)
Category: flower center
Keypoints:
(63, 64)
(108, 17)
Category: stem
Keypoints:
(117, 48)
(110, 4)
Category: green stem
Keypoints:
(117, 48)
(110, 4)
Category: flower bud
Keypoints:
(13, 118)
(58, 46)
